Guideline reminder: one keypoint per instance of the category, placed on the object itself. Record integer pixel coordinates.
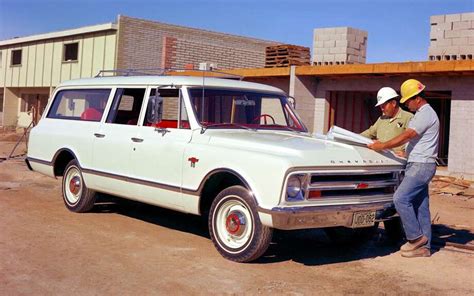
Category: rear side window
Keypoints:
(80, 104)
(126, 106)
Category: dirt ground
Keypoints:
(129, 248)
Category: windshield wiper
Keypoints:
(205, 127)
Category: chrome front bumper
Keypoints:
(290, 218)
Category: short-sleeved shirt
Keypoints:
(387, 128)
(424, 147)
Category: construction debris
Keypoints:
(452, 186)
(286, 55)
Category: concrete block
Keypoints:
(434, 51)
(361, 39)
(341, 57)
(453, 17)
(467, 49)
(341, 30)
(353, 51)
(437, 19)
(437, 34)
(352, 58)
(339, 37)
(351, 37)
(466, 33)
(318, 57)
(453, 34)
(325, 31)
(471, 40)
(443, 42)
(318, 44)
(442, 26)
(462, 25)
(330, 43)
(467, 16)
(322, 50)
(328, 58)
(354, 44)
(342, 43)
(461, 41)
(335, 50)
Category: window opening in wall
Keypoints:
(1, 102)
(70, 52)
(16, 57)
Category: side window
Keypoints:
(80, 104)
(170, 109)
(126, 106)
(273, 108)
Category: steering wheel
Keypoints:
(264, 116)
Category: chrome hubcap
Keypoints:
(75, 185)
(235, 223)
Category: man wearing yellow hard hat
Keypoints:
(411, 198)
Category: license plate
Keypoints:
(363, 219)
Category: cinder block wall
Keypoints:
(451, 37)
(148, 44)
(339, 46)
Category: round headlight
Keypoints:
(293, 186)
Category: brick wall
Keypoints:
(148, 44)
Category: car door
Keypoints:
(157, 159)
(114, 140)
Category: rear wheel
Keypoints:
(235, 227)
(77, 197)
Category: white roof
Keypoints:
(169, 80)
(60, 34)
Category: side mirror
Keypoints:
(292, 102)
(154, 110)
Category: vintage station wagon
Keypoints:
(233, 151)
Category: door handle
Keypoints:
(162, 131)
(99, 135)
(137, 140)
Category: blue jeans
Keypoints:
(411, 200)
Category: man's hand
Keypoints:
(376, 145)
(401, 153)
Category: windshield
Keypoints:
(222, 108)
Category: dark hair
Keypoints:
(422, 94)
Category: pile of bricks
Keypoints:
(451, 37)
(285, 55)
(339, 46)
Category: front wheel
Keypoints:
(77, 197)
(235, 227)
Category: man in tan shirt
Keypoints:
(393, 122)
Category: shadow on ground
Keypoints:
(308, 247)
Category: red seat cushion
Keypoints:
(91, 114)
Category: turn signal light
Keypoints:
(314, 194)
(362, 186)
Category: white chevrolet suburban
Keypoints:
(233, 151)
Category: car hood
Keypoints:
(301, 149)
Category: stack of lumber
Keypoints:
(286, 55)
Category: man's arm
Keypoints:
(371, 132)
(399, 140)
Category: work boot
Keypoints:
(414, 244)
(420, 252)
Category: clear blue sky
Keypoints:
(398, 30)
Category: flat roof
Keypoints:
(60, 34)
(457, 67)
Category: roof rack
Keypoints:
(165, 71)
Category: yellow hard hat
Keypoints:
(410, 88)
